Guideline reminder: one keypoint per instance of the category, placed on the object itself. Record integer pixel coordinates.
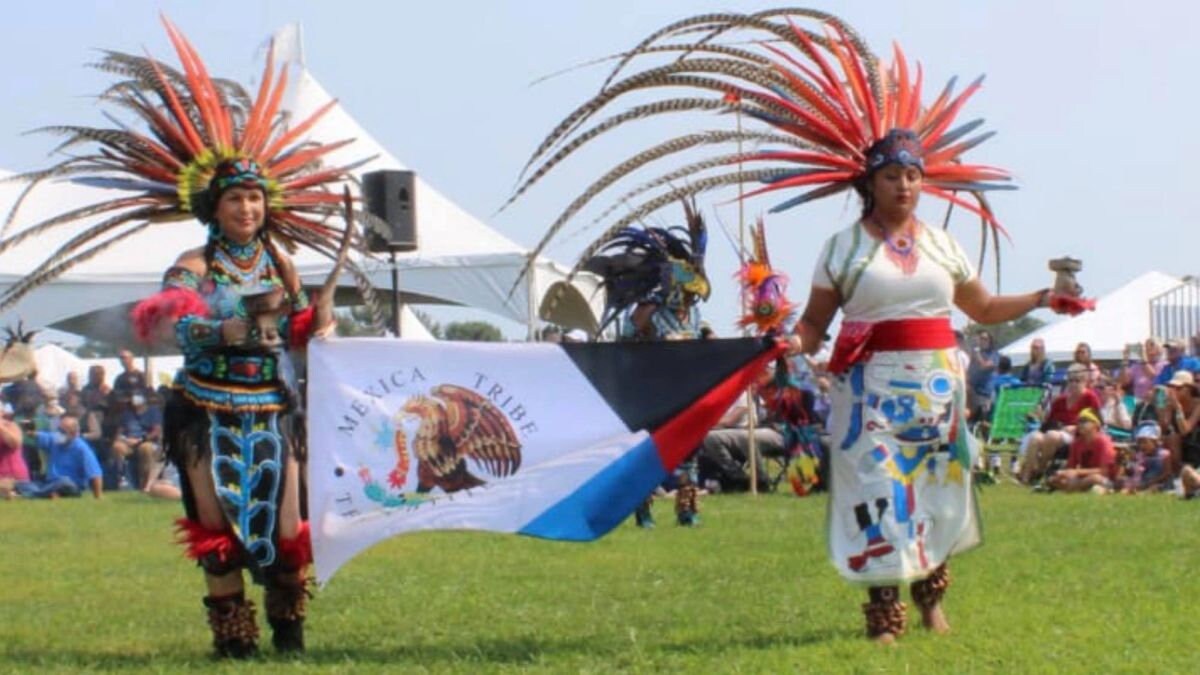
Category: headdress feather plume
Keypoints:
(192, 123)
(807, 77)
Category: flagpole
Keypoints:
(751, 409)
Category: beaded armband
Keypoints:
(181, 277)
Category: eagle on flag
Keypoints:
(457, 425)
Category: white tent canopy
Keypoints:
(460, 260)
(1121, 317)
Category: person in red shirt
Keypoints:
(1090, 460)
(1058, 427)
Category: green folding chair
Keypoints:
(1011, 414)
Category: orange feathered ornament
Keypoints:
(764, 291)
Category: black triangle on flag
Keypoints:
(648, 383)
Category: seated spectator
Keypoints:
(1113, 412)
(1177, 360)
(1058, 426)
(96, 391)
(1145, 409)
(1083, 357)
(166, 484)
(1091, 459)
(1139, 371)
(1151, 468)
(1004, 376)
(1180, 418)
(139, 439)
(50, 414)
(25, 396)
(71, 466)
(1039, 370)
(95, 428)
(131, 380)
(71, 387)
(72, 404)
(12, 461)
(724, 455)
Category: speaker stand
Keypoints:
(395, 293)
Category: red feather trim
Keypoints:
(297, 551)
(301, 327)
(169, 305)
(1069, 304)
(202, 542)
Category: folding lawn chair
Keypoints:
(1012, 411)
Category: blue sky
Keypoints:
(1094, 104)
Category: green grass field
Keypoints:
(1063, 583)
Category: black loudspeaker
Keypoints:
(391, 196)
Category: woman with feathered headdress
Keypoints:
(822, 115)
(234, 307)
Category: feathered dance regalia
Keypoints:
(768, 309)
(193, 123)
(764, 290)
(812, 101)
(664, 266)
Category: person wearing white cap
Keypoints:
(1151, 466)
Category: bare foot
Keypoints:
(934, 619)
(884, 639)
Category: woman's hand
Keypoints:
(234, 331)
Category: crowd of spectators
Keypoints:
(92, 438)
(1128, 426)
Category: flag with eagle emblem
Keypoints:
(547, 440)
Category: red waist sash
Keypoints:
(858, 340)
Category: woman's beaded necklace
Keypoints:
(901, 249)
(242, 265)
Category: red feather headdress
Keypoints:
(193, 122)
(814, 99)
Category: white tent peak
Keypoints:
(1121, 317)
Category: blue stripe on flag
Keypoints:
(604, 500)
